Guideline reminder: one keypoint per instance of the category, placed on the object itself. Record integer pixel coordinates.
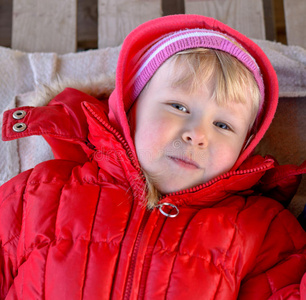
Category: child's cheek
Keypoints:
(225, 156)
(152, 137)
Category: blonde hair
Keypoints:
(151, 194)
(234, 83)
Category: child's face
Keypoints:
(183, 139)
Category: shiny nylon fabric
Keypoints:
(72, 234)
(77, 227)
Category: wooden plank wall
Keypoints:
(244, 16)
(45, 25)
(118, 17)
(295, 14)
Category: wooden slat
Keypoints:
(44, 25)
(5, 23)
(295, 16)
(246, 16)
(116, 18)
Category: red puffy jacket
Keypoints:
(77, 228)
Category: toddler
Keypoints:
(155, 194)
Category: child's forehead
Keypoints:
(179, 73)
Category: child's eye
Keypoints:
(179, 107)
(222, 125)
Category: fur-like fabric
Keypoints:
(100, 88)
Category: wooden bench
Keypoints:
(64, 26)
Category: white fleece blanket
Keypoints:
(22, 74)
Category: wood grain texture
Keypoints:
(295, 16)
(116, 18)
(44, 25)
(244, 16)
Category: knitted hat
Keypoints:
(175, 42)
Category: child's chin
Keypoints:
(170, 188)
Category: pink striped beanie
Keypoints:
(178, 41)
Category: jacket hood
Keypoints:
(141, 38)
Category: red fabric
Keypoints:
(68, 229)
(77, 228)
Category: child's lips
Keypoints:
(185, 162)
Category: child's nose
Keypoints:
(195, 137)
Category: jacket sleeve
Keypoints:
(11, 212)
(62, 123)
(279, 268)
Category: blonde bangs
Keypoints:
(234, 82)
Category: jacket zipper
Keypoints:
(131, 272)
(221, 177)
(119, 137)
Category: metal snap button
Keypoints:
(19, 114)
(19, 127)
(160, 206)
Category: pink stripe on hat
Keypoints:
(175, 42)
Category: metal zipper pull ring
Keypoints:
(160, 207)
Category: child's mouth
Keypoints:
(185, 162)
